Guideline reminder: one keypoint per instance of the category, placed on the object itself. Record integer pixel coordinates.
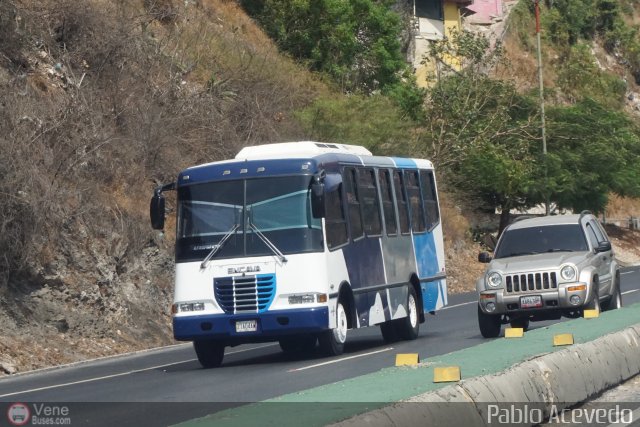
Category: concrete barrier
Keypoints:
(544, 383)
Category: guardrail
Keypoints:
(632, 222)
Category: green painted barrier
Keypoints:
(334, 402)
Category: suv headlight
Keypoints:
(494, 279)
(568, 272)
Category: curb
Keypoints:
(549, 382)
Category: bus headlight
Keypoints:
(307, 298)
(494, 279)
(187, 307)
(568, 273)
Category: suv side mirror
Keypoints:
(484, 257)
(156, 211)
(317, 200)
(603, 247)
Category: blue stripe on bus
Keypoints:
(427, 263)
(404, 163)
(431, 291)
(426, 255)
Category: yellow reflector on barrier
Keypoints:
(514, 332)
(446, 374)
(591, 314)
(407, 359)
(563, 339)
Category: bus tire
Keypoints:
(298, 343)
(490, 324)
(210, 353)
(389, 331)
(408, 327)
(332, 341)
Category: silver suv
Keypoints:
(544, 268)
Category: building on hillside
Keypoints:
(435, 19)
(485, 12)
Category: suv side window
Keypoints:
(598, 232)
(591, 234)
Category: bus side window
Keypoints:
(335, 219)
(401, 199)
(370, 205)
(430, 199)
(417, 212)
(353, 203)
(387, 202)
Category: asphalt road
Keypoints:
(140, 389)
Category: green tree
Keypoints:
(375, 122)
(357, 42)
(593, 151)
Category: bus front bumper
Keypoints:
(269, 325)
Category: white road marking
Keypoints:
(342, 359)
(631, 291)
(121, 374)
(458, 305)
(628, 272)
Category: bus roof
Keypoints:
(291, 158)
(301, 149)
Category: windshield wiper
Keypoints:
(217, 247)
(268, 242)
(560, 250)
(520, 254)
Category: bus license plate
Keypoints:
(534, 301)
(246, 326)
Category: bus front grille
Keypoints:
(245, 294)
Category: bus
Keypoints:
(299, 242)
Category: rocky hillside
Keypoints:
(99, 102)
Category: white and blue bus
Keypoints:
(299, 242)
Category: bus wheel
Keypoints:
(210, 353)
(332, 341)
(298, 344)
(389, 331)
(409, 327)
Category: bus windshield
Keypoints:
(278, 207)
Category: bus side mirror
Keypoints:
(156, 211)
(317, 200)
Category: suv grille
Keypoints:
(245, 294)
(531, 281)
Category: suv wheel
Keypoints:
(594, 304)
(490, 324)
(615, 301)
(520, 323)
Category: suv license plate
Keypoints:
(531, 302)
(247, 326)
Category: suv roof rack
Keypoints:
(583, 213)
(520, 218)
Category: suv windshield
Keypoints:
(279, 207)
(535, 240)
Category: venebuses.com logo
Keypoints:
(18, 414)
